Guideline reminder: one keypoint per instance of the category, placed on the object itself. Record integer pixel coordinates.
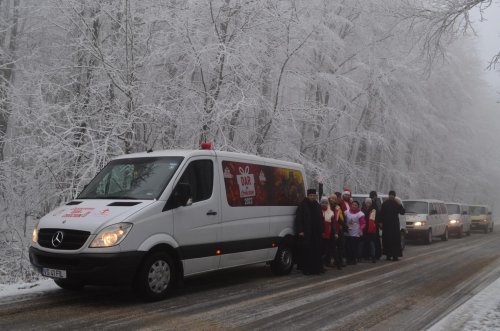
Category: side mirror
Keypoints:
(433, 212)
(489, 213)
(182, 194)
(464, 212)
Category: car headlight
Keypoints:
(111, 235)
(485, 221)
(454, 221)
(420, 223)
(34, 236)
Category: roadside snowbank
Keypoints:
(26, 288)
(481, 312)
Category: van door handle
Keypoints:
(211, 212)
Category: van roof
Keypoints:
(187, 153)
(455, 203)
(424, 200)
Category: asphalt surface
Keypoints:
(410, 294)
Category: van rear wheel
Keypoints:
(403, 242)
(444, 237)
(283, 261)
(156, 276)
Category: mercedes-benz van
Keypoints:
(151, 219)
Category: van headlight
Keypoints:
(34, 236)
(111, 235)
(454, 221)
(420, 223)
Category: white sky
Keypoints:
(489, 40)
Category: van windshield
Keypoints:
(415, 207)
(476, 211)
(452, 209)
(135, 178)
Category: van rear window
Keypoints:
(250, 184)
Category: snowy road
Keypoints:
(410, 294)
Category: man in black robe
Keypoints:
(309, 228)
(389, 219)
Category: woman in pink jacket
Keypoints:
(355, 220)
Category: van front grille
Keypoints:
(62, 238)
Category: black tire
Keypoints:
(156, 277)
(69, 285)
(491, 229)
(403, 241)
(460, 232)
(444, 237)
(428, 239)
(283, 261)
(486, 229)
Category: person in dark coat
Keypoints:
(309, 228)
(389, 219)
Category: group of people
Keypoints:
(336, 231)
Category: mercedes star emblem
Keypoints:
(57, 238)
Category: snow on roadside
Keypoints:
(481, 312)
(26, 288)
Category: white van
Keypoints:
(480, 216)
(426, 219)
(458, 218)
(360, 198)
(150, 219)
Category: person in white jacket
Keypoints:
(355, 219)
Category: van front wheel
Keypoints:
(156, 276)
(283, 261)
(428, 239)
(68, 285)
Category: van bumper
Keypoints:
(90, 269)
(417, 233)
(483, 226)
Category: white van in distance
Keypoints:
(150, 219)
(426, 219)
(459, 219)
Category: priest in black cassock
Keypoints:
(309, 228)
(389, 219)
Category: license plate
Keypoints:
(54, 273)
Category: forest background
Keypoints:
(370, 94)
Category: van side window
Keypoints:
(432, 209)
(200, 176)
